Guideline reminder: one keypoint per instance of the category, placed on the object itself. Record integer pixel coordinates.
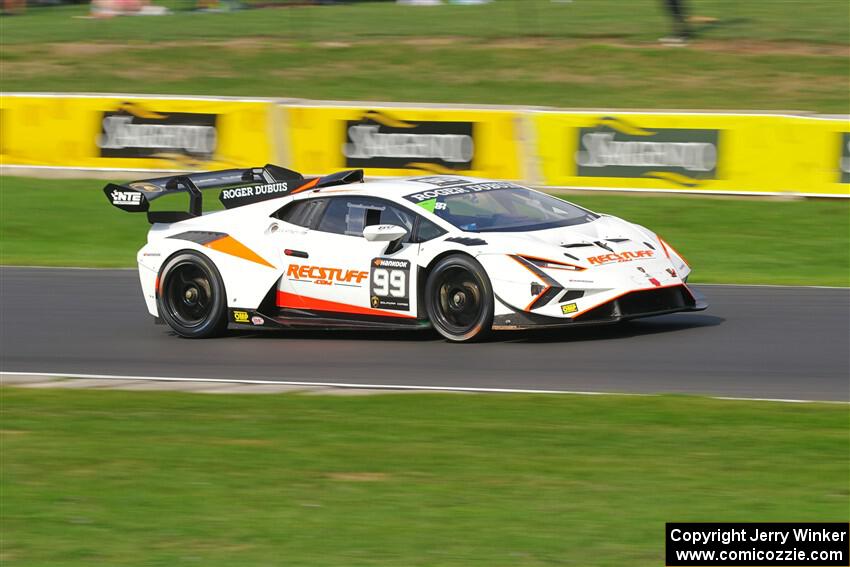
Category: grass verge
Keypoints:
(119, 478)
(527, 52)
(822, 23)
(70, 223)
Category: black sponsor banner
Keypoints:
(614, 148)
(380, 141)
(844, 166)
(767, 544)
(125, 198)
(390, 284)
(238, 196)
(132, 131)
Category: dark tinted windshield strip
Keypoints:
(428, 194)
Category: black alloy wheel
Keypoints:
(191, 297)
(459, 299)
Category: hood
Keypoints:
(583, 243)
(608, 252)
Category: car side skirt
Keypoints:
(272, 318)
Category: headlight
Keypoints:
(552, 264)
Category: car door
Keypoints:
(337, 273)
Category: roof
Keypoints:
(396, 187)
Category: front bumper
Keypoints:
(629, 305)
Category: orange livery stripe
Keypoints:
(229, 245)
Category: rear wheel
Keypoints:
(191, 296)
(459, 299)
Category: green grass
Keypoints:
(120, 479)
(789, 55)
(817, 21)
(70, 223)
(65, 223)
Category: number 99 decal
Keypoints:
(390, 284)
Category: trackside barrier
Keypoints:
(134, 132)
(727, 153)
(702, 152)
(395, 140)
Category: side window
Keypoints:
(426, 230)
(302, 213)
(350, 215)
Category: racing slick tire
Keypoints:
(191, 298)
(459, 299)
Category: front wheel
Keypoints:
(459, 299)
(191, 297)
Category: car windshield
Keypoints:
(510, 209)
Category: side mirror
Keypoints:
(384, 233)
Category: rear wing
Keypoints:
(240, 187)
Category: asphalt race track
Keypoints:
(754, 342)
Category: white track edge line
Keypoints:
(398, 387)
(782, 400)
(315, 384)
(782, 286)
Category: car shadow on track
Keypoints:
(622, 330)
(626, 329)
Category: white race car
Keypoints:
(464, 256)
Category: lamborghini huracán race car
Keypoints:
(464, 256)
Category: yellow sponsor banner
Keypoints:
(820, 150)
(399, 141)
(134, 132)
(725, 153)
(701, 152)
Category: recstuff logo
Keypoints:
(133, 131)
(844, 165)
(621, 257)
(325, 276)
(616, 148)
(379, 140)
